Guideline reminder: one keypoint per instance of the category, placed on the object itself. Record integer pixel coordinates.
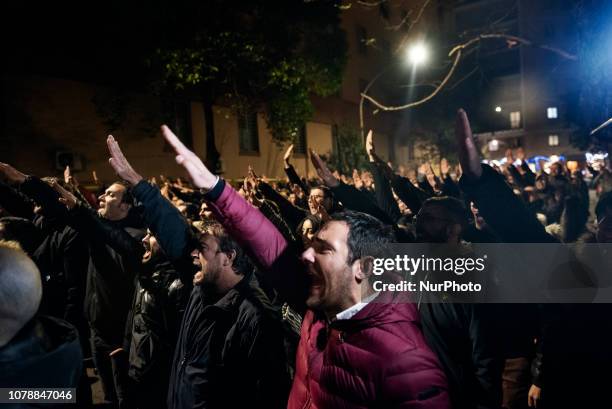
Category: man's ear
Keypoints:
(230, 257)
(363, 268)
(125, 206)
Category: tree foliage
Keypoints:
(269, 55)
(349, 150)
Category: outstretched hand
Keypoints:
(201, 177)
(288, 155)
(66, 198)
(322, 170)
(468, 154)
(444, 167)
(509, 157)
(68, 177)
(11, 174)
(121, 165)
(369, 145)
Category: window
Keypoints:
(515, 119)
(299, 140)
(553, 140)
(248, 134)
(362, 38)
(177, 114)
(551, 112)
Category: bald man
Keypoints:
(35, 351)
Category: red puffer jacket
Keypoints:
(376, 359)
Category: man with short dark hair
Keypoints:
(110, 276)
(441, 220)
(230, 351)
(358, 348)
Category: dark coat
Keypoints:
(157, 312)
(230, 352)
(45, 354)
(110, 274)
(62, 259)
(460, 335)
(345, 364)
(573, 354)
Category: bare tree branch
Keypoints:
(418, 17)
(423, 100)
(399, 25)
(457, 52)
(371, 3)
(602, 126)
(465, 77)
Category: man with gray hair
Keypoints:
(35, 351)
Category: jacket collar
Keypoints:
(387, 307)
(233, 298)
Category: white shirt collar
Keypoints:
(352, 311)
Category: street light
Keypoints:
(417, 54)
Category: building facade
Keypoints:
(50, 121)
(526, 90)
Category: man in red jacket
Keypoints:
(358, 348)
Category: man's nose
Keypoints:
(308, 255)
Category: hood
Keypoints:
(45, 353)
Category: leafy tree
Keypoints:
(270, 55)
(349, 150)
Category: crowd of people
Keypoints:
(202, 294)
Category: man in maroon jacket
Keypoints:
(358, 348)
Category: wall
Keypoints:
(49, 115)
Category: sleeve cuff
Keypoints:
(214, 193)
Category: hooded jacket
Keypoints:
(45, 354)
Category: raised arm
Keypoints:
(350, 197)
(85, 220)
(248, 226)
(408, 193)
(501, 208)
(382, 173)
(163, 219)
(34, 188)
(291, 173)
(15, 203)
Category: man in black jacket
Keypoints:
(572, 366)
(110, 276)
(230, 351)
(459, 333)
(142, 366)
